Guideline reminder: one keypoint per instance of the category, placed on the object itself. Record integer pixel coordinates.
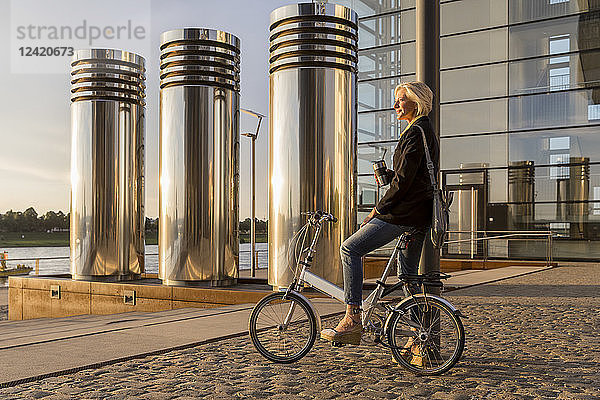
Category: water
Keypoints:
(61, 266)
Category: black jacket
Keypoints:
(409, 200)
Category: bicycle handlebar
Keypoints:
(320, 216)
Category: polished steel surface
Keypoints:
(107, 165)
(331, 12)
(579, 191)
(196, 56)
(521, 194)
(199, 158)
(312, 132)
(193, 34)
(469, 207)
(313, 35)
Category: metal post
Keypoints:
(428, 71)
(473, 214)
(253, 136)
(253, 224)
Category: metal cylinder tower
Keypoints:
(199, 157)
(312, 131)
(107, 165)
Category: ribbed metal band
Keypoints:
(313, 35)
(521, 171)
(197, 56)
(107, 74)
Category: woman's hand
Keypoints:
(369, 217)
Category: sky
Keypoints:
(35, 142)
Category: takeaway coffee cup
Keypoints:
(381, 176)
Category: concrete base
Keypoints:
(59, 296)
(54, 297)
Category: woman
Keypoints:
(406, 206)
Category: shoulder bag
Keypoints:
(441, 202)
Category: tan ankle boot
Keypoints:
(348, 330)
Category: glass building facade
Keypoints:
(519, 123)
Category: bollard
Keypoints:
(107, 165)
(199, 152)
(312, 131)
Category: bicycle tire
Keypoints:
(436, 350)
(276, 342)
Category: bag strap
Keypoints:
(430, 165)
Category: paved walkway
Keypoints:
(529, 337)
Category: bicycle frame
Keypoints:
(331, 289)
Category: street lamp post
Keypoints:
(428, 71)
(253, 136)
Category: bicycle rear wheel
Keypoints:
(276, 340)
(435, 331)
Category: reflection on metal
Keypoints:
(477, 177)
(107, 165)
(521, 190)
(312, 131)
(469, 208)
(562, 198)
(572, 196)
(579, 189)
(199, 157)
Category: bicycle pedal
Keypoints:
(337, 344)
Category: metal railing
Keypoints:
(474, 239)
(487, 236)
(38, 259)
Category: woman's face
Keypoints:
(405, 108)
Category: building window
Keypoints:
(596, 205)
(560, 143)
(558, 67)
(559, 44)
(559, 78)
(593, 112)
(561, 228)
(557, 147)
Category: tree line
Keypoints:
(30, 221)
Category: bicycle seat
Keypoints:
(409, 233)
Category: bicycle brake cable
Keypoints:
(306, 228)
(292, 249)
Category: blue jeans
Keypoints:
(369, 237)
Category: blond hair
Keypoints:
(419, 93)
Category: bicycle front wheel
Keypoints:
(283, 330)
(425, 336)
